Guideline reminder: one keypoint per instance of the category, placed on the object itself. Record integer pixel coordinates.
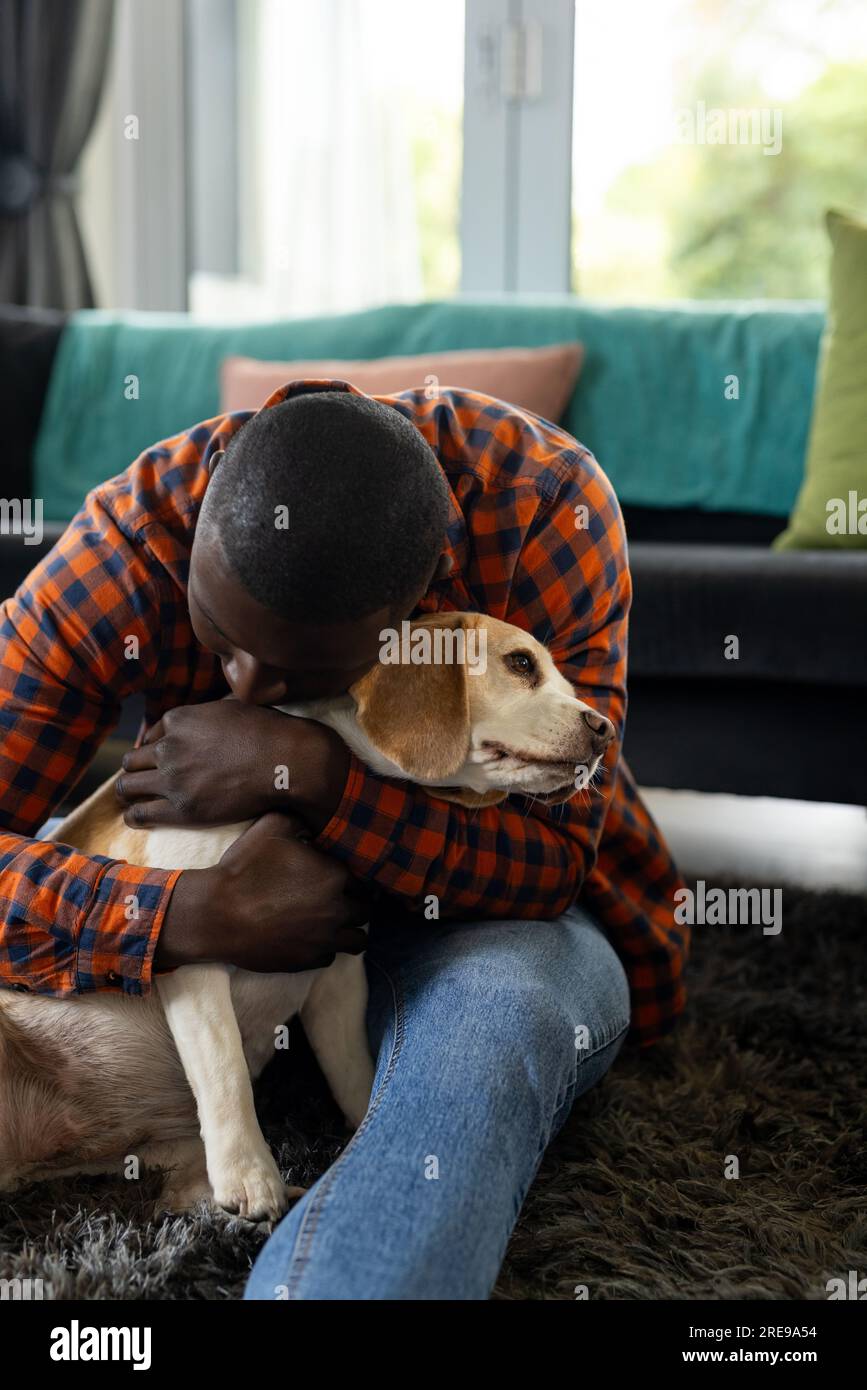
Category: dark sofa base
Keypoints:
(754, 738)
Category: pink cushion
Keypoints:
(537, 379)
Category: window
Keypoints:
(302, 158)
(709, 138)
(341, 125)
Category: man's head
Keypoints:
(323, 523)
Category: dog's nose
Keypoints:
(600, 727)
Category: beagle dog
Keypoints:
(103, 1083)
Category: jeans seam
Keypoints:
(572, 1087)
(546, 1139)
(618, 1033)
(299, 1257)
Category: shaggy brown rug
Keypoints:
(632, 1200)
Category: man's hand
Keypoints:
(272, 903)
(225, 761)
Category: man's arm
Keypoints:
(571, 589)
(80, 634)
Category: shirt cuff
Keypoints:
(331, 833)
(120, 929)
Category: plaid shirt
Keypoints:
(522, 549)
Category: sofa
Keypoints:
(699, 414)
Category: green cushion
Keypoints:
(826, 513)
(651, 401)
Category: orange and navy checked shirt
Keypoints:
(523, 549)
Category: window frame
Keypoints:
(516, 196)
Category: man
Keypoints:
(263, 556)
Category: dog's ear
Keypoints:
(418, 716)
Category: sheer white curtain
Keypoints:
(328, 205)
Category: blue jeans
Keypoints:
(484, 1035)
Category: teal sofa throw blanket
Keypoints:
(685, 406)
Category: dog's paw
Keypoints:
(251, 1187)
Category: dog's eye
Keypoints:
(522, 663)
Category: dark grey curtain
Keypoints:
(53, 56)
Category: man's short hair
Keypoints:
(329, 506)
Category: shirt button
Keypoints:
(112, 977)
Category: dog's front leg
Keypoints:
(198, 1006)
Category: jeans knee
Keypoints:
(550, 1018)
(599, 994)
